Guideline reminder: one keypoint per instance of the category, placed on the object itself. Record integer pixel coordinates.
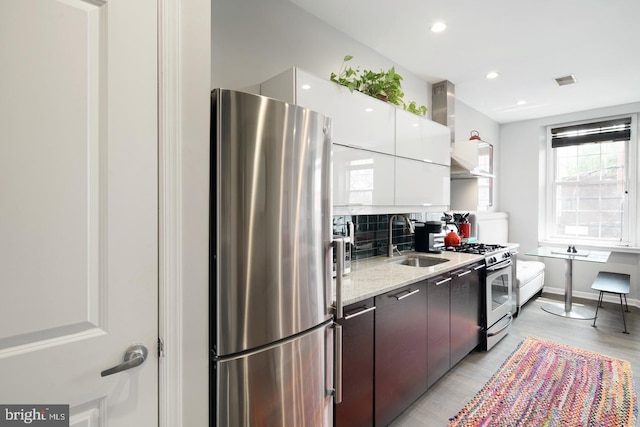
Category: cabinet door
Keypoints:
(400, 350)
(362, 177)
(421, 184)
(422, 139)
(438, 289)
(356, 408)
(476, 282)
(465, 311)
(358, 119)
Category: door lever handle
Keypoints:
(134, 356)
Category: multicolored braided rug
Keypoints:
(547, 384)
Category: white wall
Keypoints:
(522, 189)
(255, 40)
(192, 255)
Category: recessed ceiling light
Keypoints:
(368, 110)
(438, 27)
(521, 102)
(306, 87)
(566, 80)
(492, 74)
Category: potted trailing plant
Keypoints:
(413, 107)
(383, 85)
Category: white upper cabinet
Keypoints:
(358, 120)
(421, 184)
(362, 177)
(384, 158)
(422, 139)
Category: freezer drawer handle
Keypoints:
(364, 310)
(134, 356)
(410, 292)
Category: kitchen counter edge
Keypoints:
(378, 275)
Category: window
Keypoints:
(589, 189)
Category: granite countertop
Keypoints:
(375, 276)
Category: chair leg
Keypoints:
(597, 306)
(624, 322)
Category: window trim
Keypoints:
(490, 179)
(632, 203)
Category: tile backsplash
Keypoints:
(372, 233)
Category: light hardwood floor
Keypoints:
(461, 383)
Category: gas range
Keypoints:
(494, 255)
(476, 248)
(496, 293)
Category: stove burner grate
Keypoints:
(475, 248)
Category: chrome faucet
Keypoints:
(391, 246)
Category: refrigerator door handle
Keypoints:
(338, 245)
(338, 364)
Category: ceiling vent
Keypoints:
(566, 80)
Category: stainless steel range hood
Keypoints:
(443, 112)
(462, 169)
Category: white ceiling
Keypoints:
(530, 43)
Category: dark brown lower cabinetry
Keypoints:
(356, 409)
(400, 374)
(465, 310)
(399, 344)
(438, 295)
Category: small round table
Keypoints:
(567, 310)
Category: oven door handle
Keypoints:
(502, 264)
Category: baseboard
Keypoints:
(591, 296)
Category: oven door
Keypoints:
(498, 292)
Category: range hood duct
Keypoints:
(443, 111)
(443, 106)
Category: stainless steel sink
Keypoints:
(418, 261)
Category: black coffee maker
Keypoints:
(429, 237)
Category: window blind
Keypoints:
(608, 130)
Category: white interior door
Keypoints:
(78, 206)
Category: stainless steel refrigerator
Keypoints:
(271, 323)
